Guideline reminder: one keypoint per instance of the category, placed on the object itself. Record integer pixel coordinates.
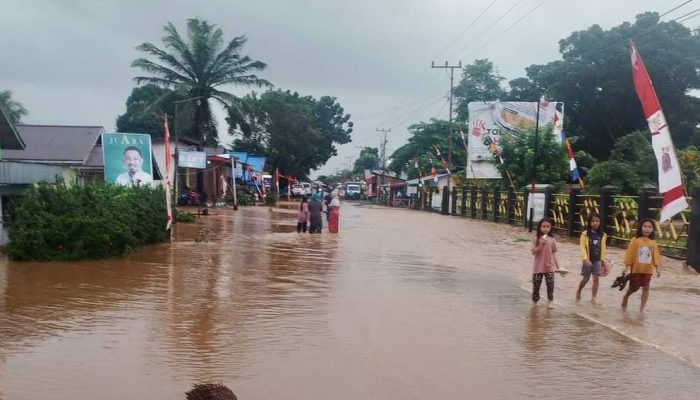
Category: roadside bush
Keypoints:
(185, 217)
(243, 199)
(270, 199)
(57, 222)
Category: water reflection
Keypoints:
(381, 310)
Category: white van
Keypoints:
(307, 188)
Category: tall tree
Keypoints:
(480, 81)
(197, 67)
(550, 164)
(14, 109)
(146, 106)
(296, 133)
(594, 80)
(420, 147)
(368, 159)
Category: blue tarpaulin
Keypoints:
(256, 164)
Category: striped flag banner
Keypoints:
(573, 168)
(168, 156)
(670, 183)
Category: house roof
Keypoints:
(9, 138)
(415, 182)
(55, 144)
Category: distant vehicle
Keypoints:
(307, 188)
(353, 191)
(297, 190)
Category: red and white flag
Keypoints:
(670, 183)
(168, 156)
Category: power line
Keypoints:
(689, 18)
(600, 50)
(452, 89)
(685, 15)
(465, 30)
(675, 8)
(488, 29)
(511, 26)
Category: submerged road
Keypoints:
(399, 305)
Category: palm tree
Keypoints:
(197, 67)
(14, 109)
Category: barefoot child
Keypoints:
(544, 248)
(641, 257)
(593, 250)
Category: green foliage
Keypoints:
(270, 198)
(689, 159)
(14, 109)
(185, 217)
(594, 80)
(616, 173)
(635, 149)
(85, 222)
(196, 66)
(368, 159)
(296, 133)
(419, 148)
(551, 164)
(480, 81)
(632, 165)
(243, 199)
(146, 106)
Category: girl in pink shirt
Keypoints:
(544, 248)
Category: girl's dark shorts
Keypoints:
(638, 280)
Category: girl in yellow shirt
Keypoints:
(593, 251)
(641, 258)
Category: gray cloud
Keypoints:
(68, 61)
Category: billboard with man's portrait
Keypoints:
(127, 159)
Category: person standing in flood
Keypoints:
(334, 213)
(641, 257)
(593, 251)
(315, 213)
(303, 217)
(544, 248)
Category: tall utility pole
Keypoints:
(382, 146)
(349, 162)
(452, 88)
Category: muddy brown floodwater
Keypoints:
(399, 305)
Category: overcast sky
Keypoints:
(68, 61)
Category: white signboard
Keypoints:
(535, 202)
(412, 190)
(489, 121)
(436, 203)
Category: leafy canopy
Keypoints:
(14, 109)
(420, 148)
(550, 164)
(594, 80)
(368, 159)
(296, 133)
(146, 106)
(197, 66)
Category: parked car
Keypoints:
(298, 190)
(307, 188)
(353, 191)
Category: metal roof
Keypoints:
(9, 139)
(26, 173)
(55, 144)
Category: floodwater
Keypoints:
(399, 305)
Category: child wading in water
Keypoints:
(303, 216)
(593, 250)
(544, 248)
(641, 257)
